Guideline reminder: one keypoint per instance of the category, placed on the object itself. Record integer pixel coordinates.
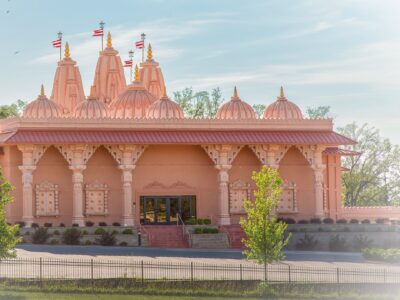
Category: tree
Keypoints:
(259, 109)
(374, 175)
(319, 112)
(199, 104)
(8, 238)
(265, 235)
(12, 110)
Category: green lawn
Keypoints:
(50, 296)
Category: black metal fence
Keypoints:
(48, 268)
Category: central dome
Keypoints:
(92, 108)
(42, 107)
(283, 109)
(133, 102)
(165, 108)
(235, 109)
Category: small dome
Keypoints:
(282, 108)
(165, 108)
(133, 102)
(92, 108)
(42, 107)
(235, 109)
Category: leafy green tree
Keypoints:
(199, 104)
(374, 175)
(12, 110)
(265, 235)
(8, 238)
(259, 109)
(319, 112)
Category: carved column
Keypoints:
(318, 168)
(77, 197)
(27, 194)
(223, 194)
(128, 218)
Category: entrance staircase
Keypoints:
(235, 234)
(165, 236)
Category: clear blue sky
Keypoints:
(345, 54)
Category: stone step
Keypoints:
(165, 236)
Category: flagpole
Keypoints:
(143, 36)
(59, 35)
(102, 28)
(131, 52)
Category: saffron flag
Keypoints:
(128, 63)
(139, 44)
(57, 43)
(98, 32)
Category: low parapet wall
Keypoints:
(369, 212)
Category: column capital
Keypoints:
(27, 169)
(77, 168)
(127, 167)
(223, 168)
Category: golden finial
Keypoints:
(149, 53)
(165, 91)
(66, 51)
(109, 40)
(235, 93)
(282, 94)
(137, 75)
(42, 91)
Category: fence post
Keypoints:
(290, 276)
(337, 275)
(142, 270)
(91, 270)
(41, 270)
(241, 272)
(191, 271)
(384, 275)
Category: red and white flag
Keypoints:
(57, 43)
(98, 32)
(128, 63)
(139, 44)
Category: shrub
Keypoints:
(127, 231)
(21, 224)
(337, 243)
(315, 221)
(204, 230)
(365, 221)
(306, 243)
(116, 224)
(35, 225)
(40, 235)
(106, 239)
(88, 243)
(54, 242)
(303, 222)
(341, 221)
(62, 225)
(380, 221)
(48, 225)
(89, 223)
(99, 231)
(102, 224)
(123, 244)
(389, 255)
(56, 232)
(28, 233)
(200, 221)
(114, 232)
(191, 221)
(207, 221)
(75, 225)
(290, 221)
(328, 221)
(71, 236)
(353, 221)
(360, 242)
(85, 232)
(198, 230)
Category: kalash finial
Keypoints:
(109, 40)
(149, 53)
(235, 93)
(165, 92)
(282, 94)
(42, 91)
(92, 91)
(137, 76)
(66, 51)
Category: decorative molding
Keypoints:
(177, 185)
(180, 185)
(96, 203)
(32, 153)
(154, 185)
(270, 154)
(288, 201)
(126, 154)
(308, 152)
(69, 153)
(238, 192)
(46, 199)
(222, 154)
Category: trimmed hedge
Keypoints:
(204, 230)
(389, 255)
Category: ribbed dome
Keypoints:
(235, 109)
(92, 108)
(42, 107)
(133, 102)
(165, 108)
(282, 108)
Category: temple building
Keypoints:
(126, 153)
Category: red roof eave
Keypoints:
(148, 137)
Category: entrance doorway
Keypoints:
(163, 209)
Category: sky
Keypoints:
(342, 53)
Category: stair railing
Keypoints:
(185, 236)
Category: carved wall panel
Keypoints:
(238, 192)
(46, 199)
(288, 202)
(96, 199)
